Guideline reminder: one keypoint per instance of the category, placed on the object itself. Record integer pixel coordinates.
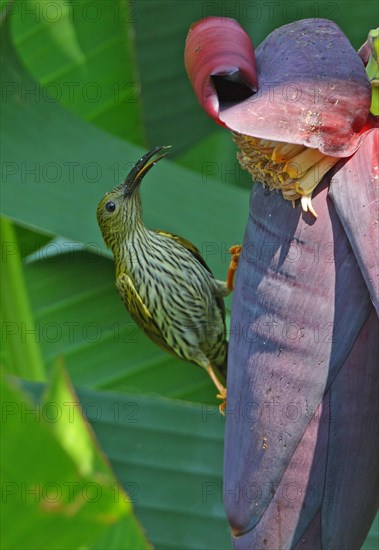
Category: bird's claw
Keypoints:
(222, 406)
(235, 251)
(221, 389)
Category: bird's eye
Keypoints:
(110, 206)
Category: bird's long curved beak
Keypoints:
(141, 168)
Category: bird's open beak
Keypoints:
(141, 168)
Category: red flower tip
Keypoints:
(220, 62)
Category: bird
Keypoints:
(163, 280)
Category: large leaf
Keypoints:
(215, 159)
(168, 457)
(23, 359)
(60, 482)
(82, 54)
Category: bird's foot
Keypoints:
(221, 389)
(235, 251)
(222, 406)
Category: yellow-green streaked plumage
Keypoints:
(164, 282)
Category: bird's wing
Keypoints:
(139, 311)
(186, 244)
(196, 253)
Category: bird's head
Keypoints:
(119, 211)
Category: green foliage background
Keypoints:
(87, 87)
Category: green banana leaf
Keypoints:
(168, 456)
(61, 488)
